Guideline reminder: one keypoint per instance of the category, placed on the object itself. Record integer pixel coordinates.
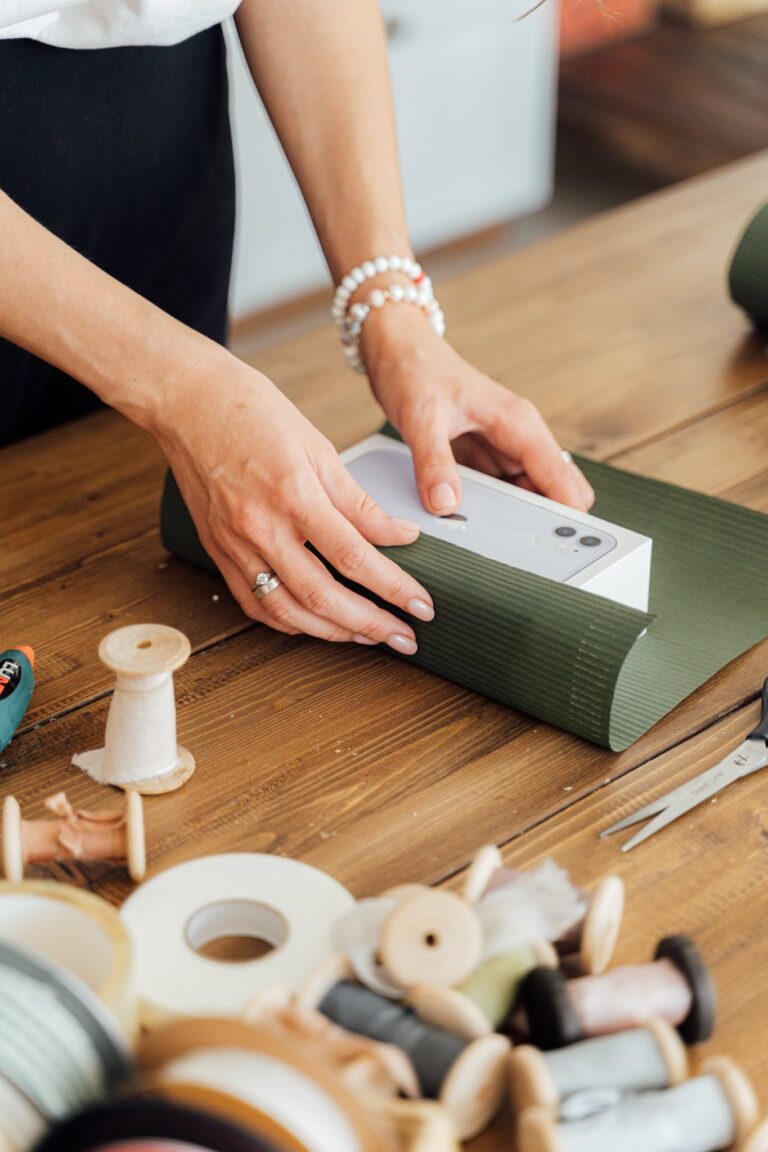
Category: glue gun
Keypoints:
(17, 680)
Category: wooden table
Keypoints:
(621, 331)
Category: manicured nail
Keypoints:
(402, 644)
(442, 498)
(358, 639)
(406, 525)
(420, 609)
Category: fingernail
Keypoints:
(443, 498)
(406, 525)
(402, 644)
(420, 609)
(358, 639)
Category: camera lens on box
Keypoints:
(590, 541)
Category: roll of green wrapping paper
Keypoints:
(748, 278)
(574, 659)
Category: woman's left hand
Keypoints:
(449, 412)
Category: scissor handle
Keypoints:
(761, 732)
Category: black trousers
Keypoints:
(126, 154)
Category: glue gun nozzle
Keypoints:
(28, 652)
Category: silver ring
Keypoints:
(266, 582)
(566, 456)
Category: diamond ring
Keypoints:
(266, 582)
(566, 456)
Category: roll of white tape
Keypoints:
(290, 905)
(77, 930)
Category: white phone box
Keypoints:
(502, 522)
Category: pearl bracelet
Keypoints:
(366, 271)
(354, 319)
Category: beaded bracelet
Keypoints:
(366, 271)
(350, 318)
(352, 324)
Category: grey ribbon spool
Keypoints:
(432, 1051)
(59, 1046)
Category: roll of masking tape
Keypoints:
(290, 905)
(79, 932)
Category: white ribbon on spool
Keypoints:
(357, 935)
(274, 1088)
(77, 930)
(289, 904)
(140, 749)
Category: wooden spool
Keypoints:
(140, 750)
(431, 937)
(74, 834)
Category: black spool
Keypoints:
(700, 1021)
(432, 1051)
(147, 1118)
(552, 1021)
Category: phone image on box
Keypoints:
(511, 525)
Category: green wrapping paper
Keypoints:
(748, 278)
(568, 657)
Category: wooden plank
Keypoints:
(706, 875)
(342, 756)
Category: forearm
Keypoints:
(321, 70)
(64, 309)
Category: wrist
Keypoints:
(394, 333)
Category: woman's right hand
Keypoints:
(260, 482)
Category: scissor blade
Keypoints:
(748, 757)
(654, 826)
(659, 805)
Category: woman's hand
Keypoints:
(447, 411)
(260, 481)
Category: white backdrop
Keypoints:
(475, 98)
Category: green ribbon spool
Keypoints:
(748, 277)
(494, 985)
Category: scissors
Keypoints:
(750, 756)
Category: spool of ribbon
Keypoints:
(140, 749)
(485, 1001)
(252, 1077)
(75, 834)
(78, 932)
(466, 1075)
(638, 1060)
(542, 902)
(714, 1111)
(748, 276)
(412, 936)
(60, 1049)
(675, 987)
(140, 1122)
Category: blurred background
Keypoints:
(510, 129)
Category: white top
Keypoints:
(110, 23)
